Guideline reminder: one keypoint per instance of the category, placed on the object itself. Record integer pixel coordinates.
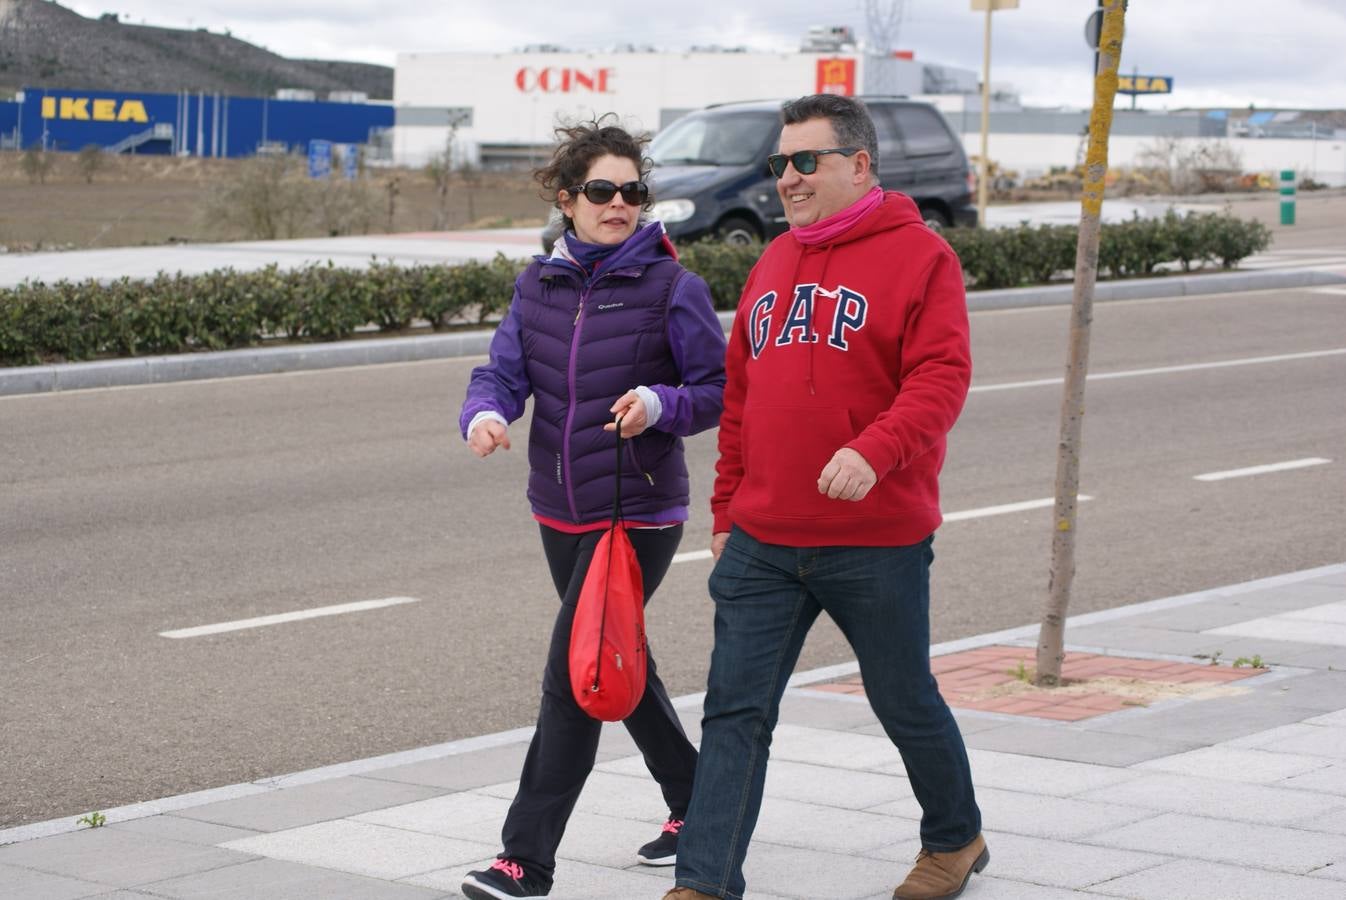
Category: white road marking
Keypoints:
(1340, 291)
(1263, 470)
(982, 512)
(1006, 508)
(262, 621)
(1165, 370)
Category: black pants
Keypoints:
(565, 744)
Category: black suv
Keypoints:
(710, 175)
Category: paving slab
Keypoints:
(181, 828)
(117, 858)
(1214, 797)
(1053, 777)
(292, 881)
(1328, 780)
(1052, 863)
(460, 771)
(1312, 740)
(1237, 764)
(1206, 721)
(823, 747)
(1059, 818)
(1199, 880)
(309, 803)
(27, 884)
(466, 815)
(574, 881)
(1248, 841)
(1076, 743)
(360, 848)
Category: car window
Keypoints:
(923, 131)
(885, 127)
(714, 140)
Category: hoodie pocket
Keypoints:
(784, 451)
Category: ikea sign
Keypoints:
(94, 109)
(1144, 84)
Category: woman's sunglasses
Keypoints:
(805, 161)
(600, 190)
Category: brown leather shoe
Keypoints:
(942, 876)
(686, 893)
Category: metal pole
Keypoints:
(985, 167)
(200, 123)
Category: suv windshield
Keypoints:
(713, 140)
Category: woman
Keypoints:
(609, 327)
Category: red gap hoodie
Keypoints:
(859, 342)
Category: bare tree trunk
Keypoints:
(1051, 637)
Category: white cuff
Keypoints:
(484, 416)
(654, 407)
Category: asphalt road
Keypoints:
(128, 512)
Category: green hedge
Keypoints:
(224, 309)
(1026, 255)
(1011, 257)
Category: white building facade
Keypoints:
(510, 103)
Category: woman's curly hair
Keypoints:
(577, 148)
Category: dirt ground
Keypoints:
(143, 200)
(134, 201)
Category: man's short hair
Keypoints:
(850, 120)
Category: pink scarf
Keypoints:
(824, 230)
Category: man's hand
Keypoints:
(717, 542)
(488, 435)
(631, 410)
(847, 476)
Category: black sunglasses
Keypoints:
(805, 161)
(600, 190)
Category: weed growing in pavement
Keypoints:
(93, 820)
(1021, 673)
(1255, 661)
(1213, 657)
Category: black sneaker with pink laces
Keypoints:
(663, 850)
(504, 880)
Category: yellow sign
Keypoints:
(88, 109)
(1144, 84)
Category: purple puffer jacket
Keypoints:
(576, 343)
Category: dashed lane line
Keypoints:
(281, 618)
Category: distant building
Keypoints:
(185, 124)
(506, 105)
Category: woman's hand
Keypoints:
(631, 410)
(488, 435)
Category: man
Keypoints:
(847, 366)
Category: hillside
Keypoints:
(43, 44)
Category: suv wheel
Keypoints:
(935, 218)
(738, 231)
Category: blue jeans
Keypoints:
(766, 598)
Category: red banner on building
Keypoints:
(836, 76)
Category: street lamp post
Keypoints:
(984, 168)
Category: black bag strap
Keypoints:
(617, 498)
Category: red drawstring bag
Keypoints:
(607, 639)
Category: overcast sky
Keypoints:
(1219, 52)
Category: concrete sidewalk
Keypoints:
(1168, 773)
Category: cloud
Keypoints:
(1225, 52)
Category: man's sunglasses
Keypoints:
(805, 161)
(600, 190)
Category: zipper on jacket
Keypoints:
(635, 460)
(570, 408)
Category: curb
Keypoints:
(301, 357)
